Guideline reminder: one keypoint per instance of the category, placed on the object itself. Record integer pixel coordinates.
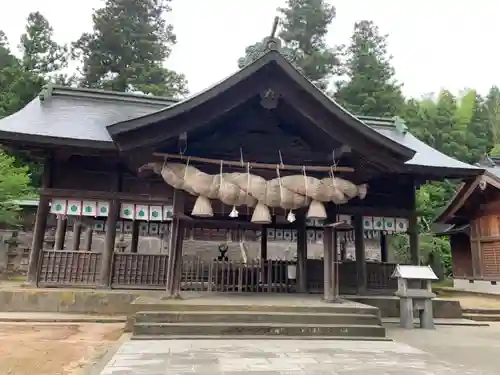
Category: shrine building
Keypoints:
(472, 222)
(218, 178)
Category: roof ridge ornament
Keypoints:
(400, 125)
(46, 92)
(272, 43)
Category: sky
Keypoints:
(436, 44)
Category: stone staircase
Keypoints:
(482, 315)
(188, 321)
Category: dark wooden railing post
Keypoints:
(109, 244)
(263, 243)
(301, 254)
(134, 244)
(60, 233)
(328, 263)
(384, 250)
(77, 232)
(359, 246)
(87, 242)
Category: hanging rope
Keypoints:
(164, 164)
(186, 169)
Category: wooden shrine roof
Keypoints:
(467, 191)
(96, 119)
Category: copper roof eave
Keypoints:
(400, 152)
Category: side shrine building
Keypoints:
(261, 157)
(472, 222)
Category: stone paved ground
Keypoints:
(278, 357)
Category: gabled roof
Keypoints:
(464, 191)
(90, 118)
(76, 117)
(425, 156)
(275, 59)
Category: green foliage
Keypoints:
(369, 86)
(127, 49)
(14, 185)
(303, 29)
(41, 54)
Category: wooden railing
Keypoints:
(149, 271)
(378, 277)
(139, 271)
(69, 268)
(254, 276)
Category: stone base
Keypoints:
(254, 315)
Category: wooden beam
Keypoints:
(254, 165)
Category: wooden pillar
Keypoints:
(60, 235)
(263, 243)
(176, 291)
(335, 266)
(87, 238)
(77, 232)
(40, 225)
(328, 263)
(174, 252)
(174, 230)
(413, 234)
(134, 245)
(359, 245)
(38, 237)
(109, 244)
(384, 250)
(301, 254)
(413, 231)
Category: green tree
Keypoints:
(369, 86)
(479, 137)
(41, 54)
(127, 49)
(466, 102)
(492, 104)
(17, 85)
(14, 185)
(302, 31)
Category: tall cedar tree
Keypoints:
(369, 87)
(303, 29)
(41, 54)
(492, 103)
(479, 136)
(127, 49)
(18, 86)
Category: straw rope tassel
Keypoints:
(202, 206)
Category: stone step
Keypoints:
(258, 329)
(254, 317)
(326, 308)
(483, 317)
(257, 337)
(481, 311)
